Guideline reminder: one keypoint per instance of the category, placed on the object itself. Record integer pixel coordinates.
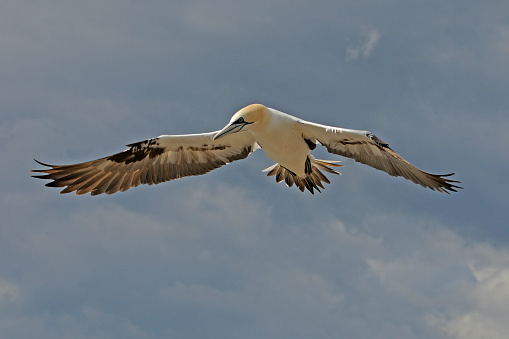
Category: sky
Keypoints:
(232, 254)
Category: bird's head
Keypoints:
(248, 118)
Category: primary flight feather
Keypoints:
(285, 139)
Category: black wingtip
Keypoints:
(448, 185)
(41, 163)
(448, 175)
(45, 176)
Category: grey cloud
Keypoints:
(154, 274)
(372, 256)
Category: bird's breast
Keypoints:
(286, 146)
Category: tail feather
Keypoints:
(311, 181)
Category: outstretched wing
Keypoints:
(365, 147)
(152, 161)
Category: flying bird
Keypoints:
(285, 139)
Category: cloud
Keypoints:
(365, 48)
(8, 291)
(495, 50)
(239, 266)
(486, 304)
(372, 256)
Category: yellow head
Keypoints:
(248, 118)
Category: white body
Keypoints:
(281, 140)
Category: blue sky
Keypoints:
(233, 254)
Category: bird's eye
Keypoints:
(239, 120)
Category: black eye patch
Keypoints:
(239, 120)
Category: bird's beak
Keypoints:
(234, 127)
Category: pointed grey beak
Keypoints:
(234, 127)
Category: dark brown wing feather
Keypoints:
(366, 148)
(149, 162)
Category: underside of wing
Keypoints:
(152, 161)
(366, 148)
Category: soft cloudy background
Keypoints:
(232, 254)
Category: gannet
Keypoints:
(285, 139)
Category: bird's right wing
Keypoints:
(366, 148)
(152, 161)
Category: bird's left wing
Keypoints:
(152, 161)
(365, 147)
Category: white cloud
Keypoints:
(366, 47)
(460, 289)
(488, 301)
(477, 325)
(8, 291)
